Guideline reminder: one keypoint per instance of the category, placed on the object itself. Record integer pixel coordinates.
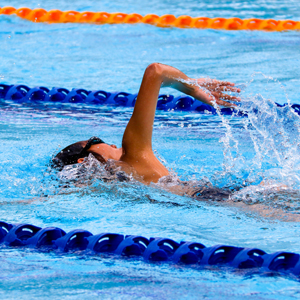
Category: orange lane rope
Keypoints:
(58, 16)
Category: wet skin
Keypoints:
(136, 155)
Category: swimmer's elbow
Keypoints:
(154, 69)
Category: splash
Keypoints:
(266, 149)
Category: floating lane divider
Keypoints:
(58, 16)
(23, 94)
(151, 250)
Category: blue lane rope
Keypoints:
(151, 250)
(23, 93)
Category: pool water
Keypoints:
(229, 151)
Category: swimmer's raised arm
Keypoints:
(136, 157)
(138, 133)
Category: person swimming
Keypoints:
(136, 156)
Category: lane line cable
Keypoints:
(83, 242)
(25, 94)
(168, 20)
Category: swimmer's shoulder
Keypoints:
(114, 166)
(146, 166)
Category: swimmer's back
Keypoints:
(210, 193)
(201, 190)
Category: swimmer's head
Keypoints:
(75, 153)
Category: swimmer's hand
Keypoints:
(213, 92)
(210, 91)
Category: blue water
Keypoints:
(229, 151)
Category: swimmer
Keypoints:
(136, 156)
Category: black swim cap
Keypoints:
(73, 152)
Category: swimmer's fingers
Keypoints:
(224, 96)
(221, 83)
(226, 104)
(220, 102)
(215, 91)
(214, 82)
(226, 87)
(225, 83)
(230, 98)
(221, 88)
(219, 99)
